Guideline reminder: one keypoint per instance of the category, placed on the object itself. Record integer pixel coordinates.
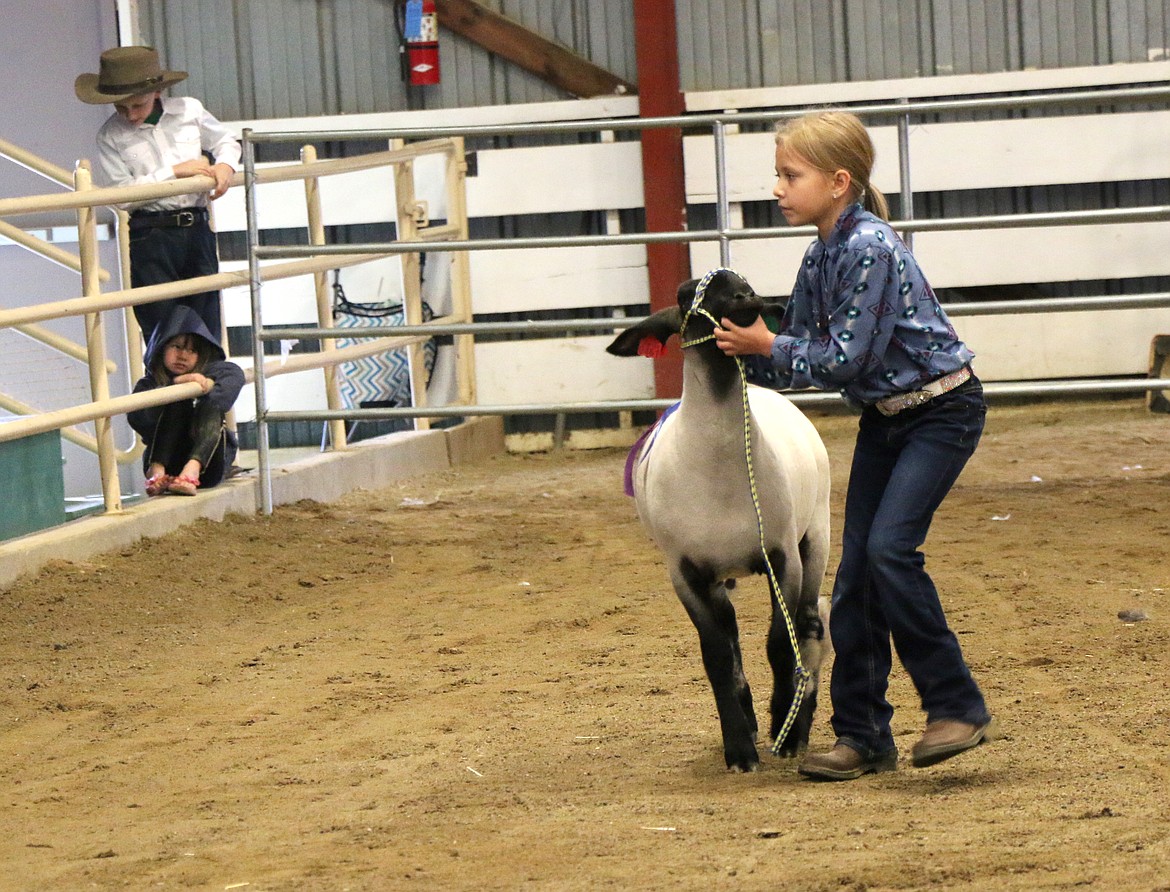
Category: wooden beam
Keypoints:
(656, 38)
(510, 40)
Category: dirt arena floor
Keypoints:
(480, 679)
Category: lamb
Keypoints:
(694, 497)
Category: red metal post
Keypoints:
(656, 40)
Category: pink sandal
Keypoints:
(183, 486)
(158, 484)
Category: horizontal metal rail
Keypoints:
(899, 110)
(1151, 214)
(802, 398)
(614, 323)
(915, 107)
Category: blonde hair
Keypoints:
(832, 141)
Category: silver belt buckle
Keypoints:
(184, 219)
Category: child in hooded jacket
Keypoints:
(186, 441)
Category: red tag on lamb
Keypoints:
(652, 347)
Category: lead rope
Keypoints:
(800, 674)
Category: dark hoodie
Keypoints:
(228, 378)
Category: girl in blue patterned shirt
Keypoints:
(862, 319)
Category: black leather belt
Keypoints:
(181, 219)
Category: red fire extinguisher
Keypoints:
(420, 37)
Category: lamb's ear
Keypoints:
(773, 313)
(774, 307)
(655, 329)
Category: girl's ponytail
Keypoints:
(875, 202)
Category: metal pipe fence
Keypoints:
(902, 111)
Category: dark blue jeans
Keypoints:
(903, 467)
(160, 255)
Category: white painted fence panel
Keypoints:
(957, 259)
(551, 179)
(558, 278)
(574, 369)
(1037, 346)
(363, 196)
(964, 155)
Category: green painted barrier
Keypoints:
(32, 484)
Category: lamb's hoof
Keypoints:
(742, 761)
(743, 769)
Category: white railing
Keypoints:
(92, 302)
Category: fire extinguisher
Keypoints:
(419, 33)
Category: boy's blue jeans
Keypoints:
(903, 467)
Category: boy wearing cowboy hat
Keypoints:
(152, 139)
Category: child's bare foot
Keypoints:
(183, 486)
(157, 484)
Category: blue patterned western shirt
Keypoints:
(862, 319)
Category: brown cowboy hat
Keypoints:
(125, 71)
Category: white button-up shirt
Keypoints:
(131, 155)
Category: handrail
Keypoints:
(85, 441)
(120, 405)
(63, 345)
(799, 397)
(127, 297)
(45, 249)
(36, 164)
(117, 195)
(998, 221)
(881, 109)
(439, 327)
(110, 195)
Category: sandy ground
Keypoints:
(481, 680)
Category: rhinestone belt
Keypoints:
(892, 405)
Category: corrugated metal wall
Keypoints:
(279, 58)
(283, 58)
(727, 44)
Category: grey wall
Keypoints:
(281, 58)
(728, 44)
(44, 45)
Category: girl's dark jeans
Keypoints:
(903, 467)
(189, 429)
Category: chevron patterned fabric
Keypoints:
(384, 377)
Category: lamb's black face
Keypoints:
(726, 295)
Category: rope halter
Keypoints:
(801, 675)
(697, 308)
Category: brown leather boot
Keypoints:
(949, 737)
(843, 762)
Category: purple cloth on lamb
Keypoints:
(636, 449)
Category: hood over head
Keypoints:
(181, 320)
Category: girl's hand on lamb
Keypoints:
(754, 339)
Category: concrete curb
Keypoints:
(370, 464)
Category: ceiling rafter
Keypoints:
(510, 40)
